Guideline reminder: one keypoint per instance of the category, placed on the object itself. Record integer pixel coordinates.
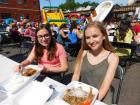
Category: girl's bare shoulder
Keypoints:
(113, 57)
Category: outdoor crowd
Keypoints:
(90, 44)
(25, 29)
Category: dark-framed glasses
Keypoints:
(46, 36)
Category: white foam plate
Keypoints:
(3, 96)
(85, 87)
(35, 93)
(56, 102)
(17, 81)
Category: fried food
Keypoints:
(28, 72)
(77, 96)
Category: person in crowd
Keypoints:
(136, 28)
(21, 29)
(49, 54)
(8, 28)
(54, 29)
(62, 30)
(62, 35)
(124, 34)
(29, 32)
(93, 64)
(14, 34)
(74, 34)
(111, 28)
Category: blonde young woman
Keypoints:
(96, 62)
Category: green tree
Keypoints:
(71, 5)
(85, 4)
(68, 6)
(70, 1)
(94, 4)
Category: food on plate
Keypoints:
(77, 96)
(29, 72)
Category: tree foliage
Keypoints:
(74, 6)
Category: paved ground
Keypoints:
(130, 93)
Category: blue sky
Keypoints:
(58, 2)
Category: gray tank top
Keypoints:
(94, 75)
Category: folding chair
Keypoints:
(119, 76)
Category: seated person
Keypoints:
(29, 32)
(94, 64)
(62, 37)
(136, 28)
(111, 28)
(124, 35)
(14, 34)
(49, 54)
(74, 35)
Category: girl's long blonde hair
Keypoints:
(106, 44)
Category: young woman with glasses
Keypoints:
(49, 54)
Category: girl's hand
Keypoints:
(18, 68)
(47, 69)
(43, 68)
(40, 66)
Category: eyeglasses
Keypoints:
(46, 36)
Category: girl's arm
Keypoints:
(62, 68)
(77, 66)
(27, 61)
(76, 75)
(109, 76)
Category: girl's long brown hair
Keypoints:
(51, 47)
(106, 44)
